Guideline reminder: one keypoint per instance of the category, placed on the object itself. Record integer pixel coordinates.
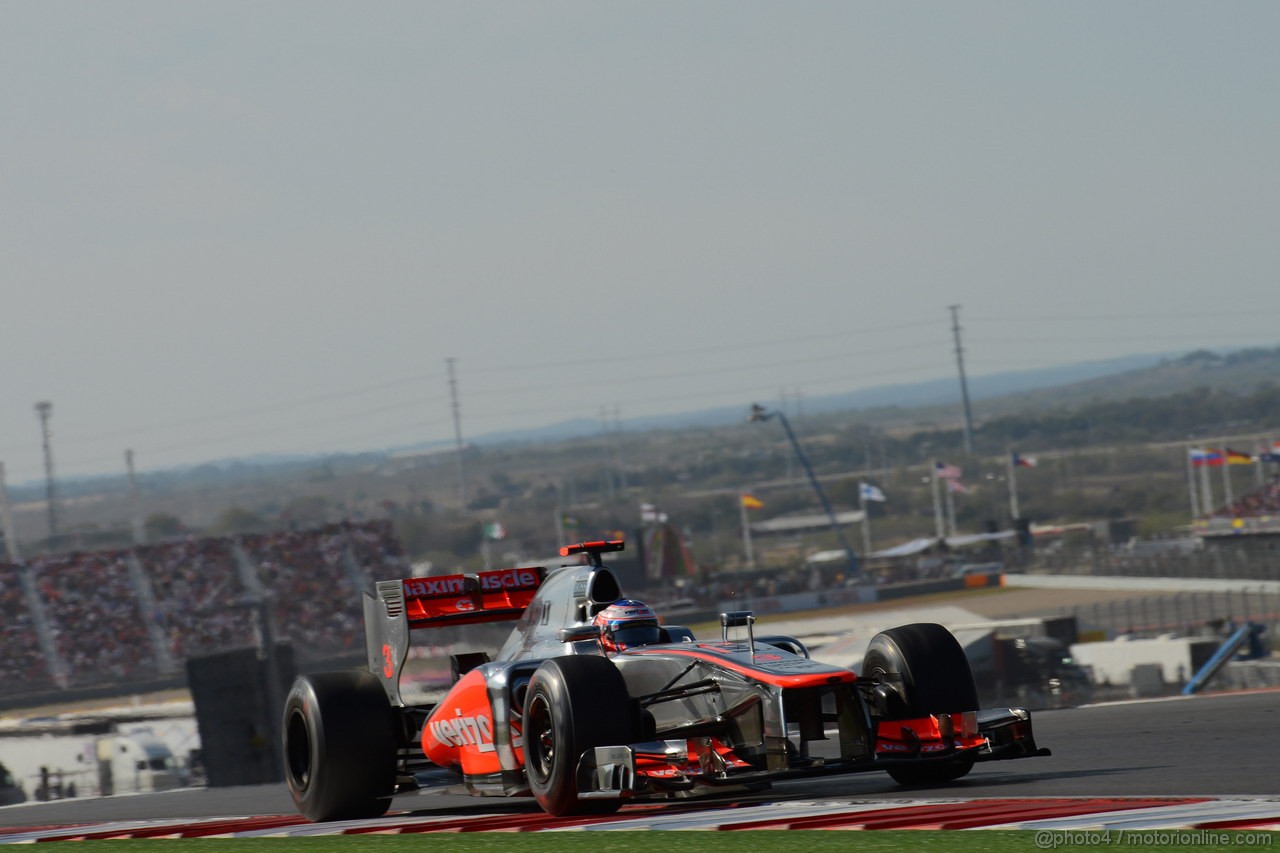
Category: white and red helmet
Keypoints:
(626, 623)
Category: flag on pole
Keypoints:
(1024, 461)
(495, 531)
(751, 501)
(568, 521)
(870, 492)
(1235, 457)
(1202, 457)
(945, 471)
(957, 487)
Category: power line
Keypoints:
(1124, 336)
(132, 432)
(1112, 315)
(736, 368)
(729, 395)
(257, 410)
(752, 345)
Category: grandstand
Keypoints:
(115, 620)
(1257, 513)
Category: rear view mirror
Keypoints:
(579, 633)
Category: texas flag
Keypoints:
(1024, 461)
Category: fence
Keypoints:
(1207, 614)
(1258, 563)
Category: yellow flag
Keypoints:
(751, 501)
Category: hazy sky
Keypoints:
(240, 227)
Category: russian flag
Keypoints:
(1205, 456)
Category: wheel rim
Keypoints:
(540, 738)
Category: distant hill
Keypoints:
(1124, 378)
(934, 392)
(1236, 371)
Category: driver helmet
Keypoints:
(627, 622)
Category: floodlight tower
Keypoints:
(760, 413)
(457, 431)
(44, 409)
(964, 383)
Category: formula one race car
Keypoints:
(583, 722)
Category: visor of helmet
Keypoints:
(638, 633)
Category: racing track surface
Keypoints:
(1217, 746)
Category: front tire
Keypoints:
(927, 671)
(340, 746)
(573, 704)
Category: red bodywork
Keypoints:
(929, 735)
(469, 599)
(459, 732)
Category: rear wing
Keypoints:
(399, 606)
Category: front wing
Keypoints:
(670, 766)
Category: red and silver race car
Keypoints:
(583, 730)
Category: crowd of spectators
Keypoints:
(376, 550)
(201, 595)
(97, 624)
(314, 600)
(22, 662)
(201, 606)
(1264, 501)
(710, 591)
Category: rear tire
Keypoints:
(927, 669)
(573, 704)
(340, 746)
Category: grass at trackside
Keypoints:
(913, 841)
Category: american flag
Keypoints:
(945, 471)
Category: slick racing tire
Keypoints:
(340, 746)
(928, 673)
(573, 704)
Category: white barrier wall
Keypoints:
(1112, 662)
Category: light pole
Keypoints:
(964, 384)
(760, 413)
(44, 409)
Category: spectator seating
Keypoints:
(102, 610)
